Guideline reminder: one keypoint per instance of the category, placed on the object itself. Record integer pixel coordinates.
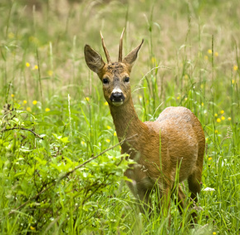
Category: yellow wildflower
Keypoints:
(216, 54)
(218, 120)
(32, 228)
(235, 67)
(27, 64)
(47, 109)
(115, 134)
(11, 35)
(106, 103)
(28, 109)
(87, 98)
(185, 98)
(186, 76)
(202, 104)
(12, 95)
(216, 131)
(108, 127)
(24, 102)
(214, 233)
(215, 115)
(229, 118)
(222, 112)
(209, 159)
(209, 51)
(108, 140)
(50, 72)
(223, 118)
(34, 102)
(82, 142)
(233, 81)
(153, 60)
(35, 67)
(178, 97)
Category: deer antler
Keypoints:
(120, 46)
(105, 49)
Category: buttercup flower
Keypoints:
(34, 102)
(50, 72)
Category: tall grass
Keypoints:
(55, 118)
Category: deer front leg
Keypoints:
(141, 186)
(142, 194)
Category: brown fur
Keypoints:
(177, 129)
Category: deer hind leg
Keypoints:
(165, 201)
(181, 199)
(194, 184)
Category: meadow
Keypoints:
(60, 164)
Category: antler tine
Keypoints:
(120, 46)
(105, 49)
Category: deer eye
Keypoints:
(126, 79)
(105, 81)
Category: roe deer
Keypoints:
(172, 144)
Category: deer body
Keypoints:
(174, 141)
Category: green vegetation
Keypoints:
(54, 117)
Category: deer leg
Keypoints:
(144, 200)
(164, 201)
(142, 194)
(180, 201)
(195, 188)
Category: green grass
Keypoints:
(190, 57)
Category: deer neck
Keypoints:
(126, 121)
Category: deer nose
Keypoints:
(117, 97)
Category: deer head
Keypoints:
(115, 76)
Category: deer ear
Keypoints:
(132, 56)
(93, 59)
